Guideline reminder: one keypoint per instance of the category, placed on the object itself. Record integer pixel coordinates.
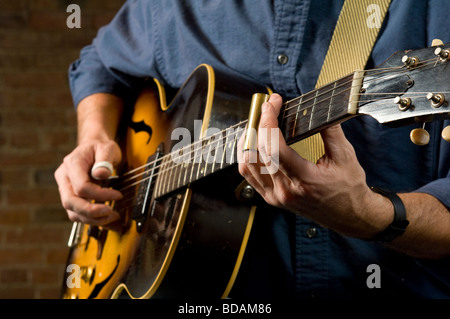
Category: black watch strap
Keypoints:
(399, 224)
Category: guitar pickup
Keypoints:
(145, 191)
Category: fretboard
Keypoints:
(315, 110)
(200, 159)
(299, 118)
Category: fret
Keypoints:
(183, 156)
(211, 154)
(167, 175)
(225, 148)
(340, 97)
(216, 145)
(177, 174)
(314, 104)
(296, 116)
(158, 180)
(194, 159)
(233, 157)
(172, 175)
(303, 116)
(319, 115)
(161, 178)
(229, 152)
(198, 160)
(206, 151)
(330, 103)
(185, 169)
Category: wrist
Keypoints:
(378, 214)
(399, 221)
(98, 117)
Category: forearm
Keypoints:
(98, 117)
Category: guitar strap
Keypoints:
(351, 44)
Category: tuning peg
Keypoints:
(446, 133)
(403, 103)
(410, 61)
(420, 136)
(437, 100)
(441, 53)
(436, 42)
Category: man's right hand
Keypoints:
(80, 191)
(81, 195)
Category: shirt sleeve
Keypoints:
(119, 58)
(440, 189)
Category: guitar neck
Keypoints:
(299, 118)
(198, 160)
(313, 111)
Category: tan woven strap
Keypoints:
(353, 39)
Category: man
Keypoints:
(323, 246)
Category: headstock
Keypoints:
(411, 86)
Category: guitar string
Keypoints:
(375, 72)
(170, 167)
(321, 93)
(200, 154)
(129, 189)
(226, 136)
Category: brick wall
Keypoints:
(37, 129)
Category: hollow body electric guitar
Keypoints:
(187, 214)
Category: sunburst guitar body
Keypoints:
(184, 225)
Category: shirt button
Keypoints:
(282, 59)
(311, 232)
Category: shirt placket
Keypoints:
(289, 28)
(311, 241)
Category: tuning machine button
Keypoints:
(404, 103)
(437, 100)
(446, 133)
(420, 136)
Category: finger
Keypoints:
(107, 156)
(82, 210)
(77, 167)
(246, 164)
(85, 219)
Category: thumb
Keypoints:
(107, 157)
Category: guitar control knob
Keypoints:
(419, 136)
(87, 273)
(446, 133)
(248, 192)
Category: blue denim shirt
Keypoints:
(287, 256)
